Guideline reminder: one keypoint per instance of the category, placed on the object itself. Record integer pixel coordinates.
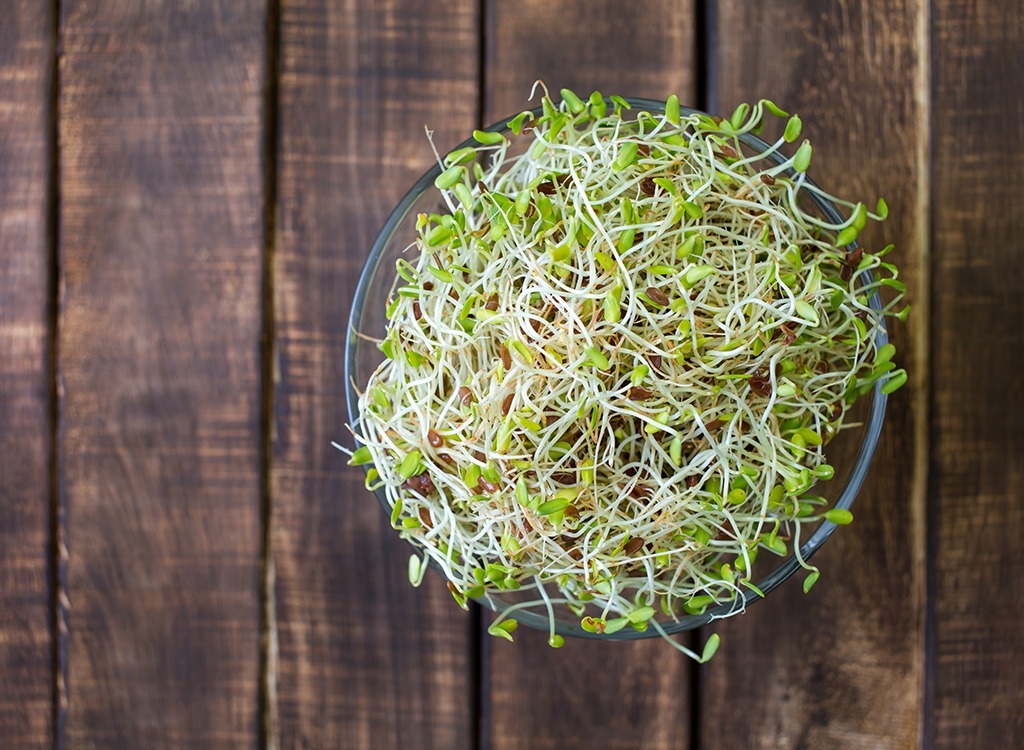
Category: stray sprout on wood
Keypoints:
(614, 360)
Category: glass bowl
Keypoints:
(850, 452)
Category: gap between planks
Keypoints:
(268, 725)
(58, 552)
(921, 380)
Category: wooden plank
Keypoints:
(645, 50)
(843, 666)
(26, 673)
(365, 660)
(587, 694)
(161, 248)
(976, 501)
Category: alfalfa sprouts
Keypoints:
(613, 362)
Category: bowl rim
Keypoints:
(776, 577)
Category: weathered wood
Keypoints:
(843, 666)
(26, 673)
(365, 660)
(645, 50)
(161, 241)
(976, 499)
(621, 695)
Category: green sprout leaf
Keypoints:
(573, 102)
(697, 604)
(641, 614)
(846, 236)
(793, 128)
(488, 138)
(695, 274)
(750, 585)
(503, 629)
(449, 177)
(410, 464)
(596, 357)
(807, 312)
(516, 123)
(895, 381)
(552, 506)
(802, 158)
(627, 155)
(675, 450)
(839, 516)
(460, 156)
(615, 625)
(710, 648)
(739, 115)
(360, 457)
(884, 354)
(672, 109)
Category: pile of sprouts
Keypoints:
(613, 361)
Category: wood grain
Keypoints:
(364, 660)
(976, 498)
(26, 673)
(588, 694)
(643, 50)
(842, 666)
(159, 357)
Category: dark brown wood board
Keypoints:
(587, 694)
(976, 500)
(26, 150)
(644, 50)
(161, 245)
(364, 659)
(844, 665)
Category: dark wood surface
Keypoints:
(187, 194)
(976, 518)
(26, 424)
(161, 262)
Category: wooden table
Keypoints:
(187, 193)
